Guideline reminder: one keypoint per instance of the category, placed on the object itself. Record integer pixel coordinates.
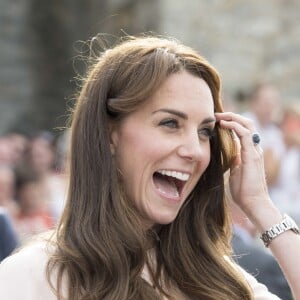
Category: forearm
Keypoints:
(285, 247)
(249, 191)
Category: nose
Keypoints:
(191, 148)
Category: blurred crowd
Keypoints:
(278, 123)
(32, 185)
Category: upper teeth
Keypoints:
(175, 174)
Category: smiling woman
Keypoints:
(146, 214)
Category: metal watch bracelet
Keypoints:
(286, 224)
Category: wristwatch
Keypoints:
(286, 224)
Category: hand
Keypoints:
(247, 175)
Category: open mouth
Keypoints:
(170, 183)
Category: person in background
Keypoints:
(62, 151)
(41, 156)
(263, 109)
(7, 186)
(5, 152)
(286, 193)
(8, 237)
(17, 145)
(146, 215)
(34, 214)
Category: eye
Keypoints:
(206, 133)
(170, 123)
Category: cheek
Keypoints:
(203, 163)
(141, 146)
(131, 155)
(133, 147)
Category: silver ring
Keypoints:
(255, 139)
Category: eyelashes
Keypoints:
(170, 123)
(205, 133)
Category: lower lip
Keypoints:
(171, 199)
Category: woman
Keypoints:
(146, 216)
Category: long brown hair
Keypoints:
(101, 248)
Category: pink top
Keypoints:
(22, 276)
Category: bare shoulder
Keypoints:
(23, 274)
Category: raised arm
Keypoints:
(249, 191)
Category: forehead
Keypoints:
(183, 90)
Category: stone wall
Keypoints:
(248, 41)
(40, 45)
(15, 76)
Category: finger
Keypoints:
(231, 120)
(243, 133)
(229, 116)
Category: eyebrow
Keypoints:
(182, 115)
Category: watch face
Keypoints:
(286, 224)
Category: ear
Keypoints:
(113, 137)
